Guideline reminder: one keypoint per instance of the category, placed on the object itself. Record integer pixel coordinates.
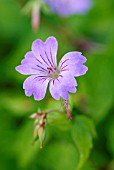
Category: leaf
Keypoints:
(109, 131)
(99, 93)
(58, 156)
(23, 149)
(88, 166)
(83, 131)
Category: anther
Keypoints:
(50, 69)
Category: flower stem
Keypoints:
(67, 110)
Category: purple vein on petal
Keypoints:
(44, 60)
(60, 75)
(65, 70)
(44, 79)
(38, 60)
(41, 68)
(63, 63)
(48, 59)
(64, 67)
(58, 80)
(51, 57)
(41, 77)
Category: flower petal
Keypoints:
(68, 79)
(37, 86)
(45, 51)
(69, 7)
(51, 46)
(79, 70)
(30, 65)
(68, 84)
(62, 85)
(73, 62)
(26, 69)
(54, 89)
(64, 92)
(72, 89)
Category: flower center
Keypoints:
(53, 72)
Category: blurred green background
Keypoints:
(87, 141)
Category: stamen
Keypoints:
(50, 69)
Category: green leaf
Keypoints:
(58, 156)
(109, 130)
(100, 95)
(23, 149)
(83, 131)
(88, 166)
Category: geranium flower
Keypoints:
(41, 64)
(69, 7)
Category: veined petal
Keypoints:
(73, 62)
(29, 58)
(51, 46)
(54, 89)
(38, 50)
(46, 51)
(30, 68)
(62, 85)
(68, 84)
(30, 65)
(26, 69)
(37, 86)
(68, 79)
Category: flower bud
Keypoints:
(67, 110)
(35, 16)
(39, 126)
(41, 134)
(35, 134)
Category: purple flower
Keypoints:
(41, 64)
(69, 7)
